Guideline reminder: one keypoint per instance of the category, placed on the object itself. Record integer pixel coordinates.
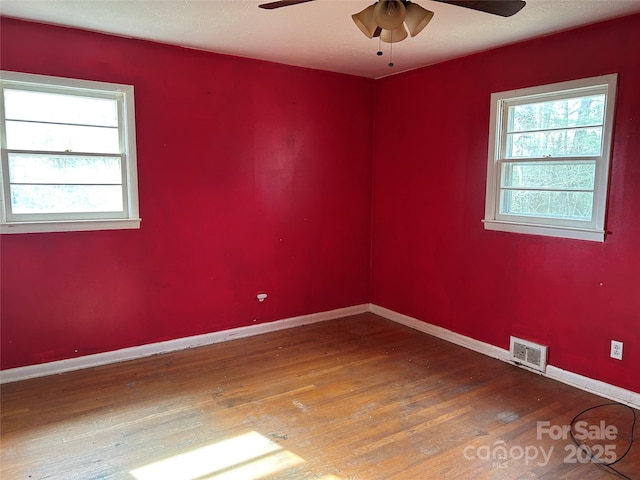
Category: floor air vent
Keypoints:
(528, 354)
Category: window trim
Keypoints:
(126, 118)
(494, 220)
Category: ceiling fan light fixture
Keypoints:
(394, 36)
(417, 18)
(389, 14)
(365, 22)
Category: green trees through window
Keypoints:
(567, 128)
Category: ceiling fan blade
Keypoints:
(504, 8)
(282, 3)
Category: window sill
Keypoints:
(69, 226)
(548, 231)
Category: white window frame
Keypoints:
(61, 222)
(583, 230)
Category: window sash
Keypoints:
(566, 196)
(121, 184)
(506, 133)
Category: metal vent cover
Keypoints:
(528, 354)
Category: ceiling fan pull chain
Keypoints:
(390, 64)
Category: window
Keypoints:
(548, 161)
(68, 155)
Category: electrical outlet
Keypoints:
(616, 349)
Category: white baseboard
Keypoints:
(603, 389)
(443, 333)
(131, 353)
(597, 387)
(587, 384)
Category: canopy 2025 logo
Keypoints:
(585, 443)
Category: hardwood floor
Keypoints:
(355, 398)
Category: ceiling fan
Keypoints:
(386, 18)
(504, 8)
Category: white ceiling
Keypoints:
(317, 34)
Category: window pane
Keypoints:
(60, 108)
(30, 168)
(552, 175)
(61, 138)
(65, 198)
(565, 205)
(563, 113)
(573, 142)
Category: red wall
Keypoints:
(257, 177)
(433, 260)
(252, 177)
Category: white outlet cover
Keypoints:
(616, 349)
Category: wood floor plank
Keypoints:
(355, 398)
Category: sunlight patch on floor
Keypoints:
(244, 457)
